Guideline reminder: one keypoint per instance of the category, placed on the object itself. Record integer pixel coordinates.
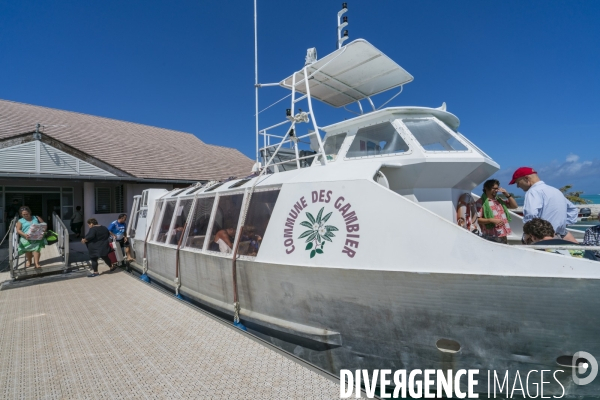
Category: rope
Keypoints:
(265, 109)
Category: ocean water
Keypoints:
(592, 198)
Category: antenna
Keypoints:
(342, 23)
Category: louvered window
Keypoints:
(103, 200)
(119, 199)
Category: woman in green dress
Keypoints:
(31, 248)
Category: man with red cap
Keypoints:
(545, 202)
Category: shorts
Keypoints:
(123, 243)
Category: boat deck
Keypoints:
(113, 336)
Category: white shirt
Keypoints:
(548, 203)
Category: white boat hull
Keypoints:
(370, 319)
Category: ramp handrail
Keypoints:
(63, 237)
(13, 247)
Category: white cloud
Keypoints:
(572, 158)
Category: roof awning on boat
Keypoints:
(353, 72)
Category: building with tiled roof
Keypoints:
(54, 160)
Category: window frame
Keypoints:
(196, 197)
(238, 226)
(174, 217)
(444, 127)
(97, 188)
(346, 134)
(238, 236)
(353, 134)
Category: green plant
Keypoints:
(317, 232)
(573, 197)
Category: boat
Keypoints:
(361, 251)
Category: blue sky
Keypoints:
(522, 76)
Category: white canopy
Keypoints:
(353, 72)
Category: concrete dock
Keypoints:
(115, 337)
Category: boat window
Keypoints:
(181, 216)
(177, 192)
(199, 225)
(332, 145)
(155, 218)
(376, 140)
(239, 183)
(259, 213)
(135, 212)
(226, 218)
(194, 190)
(432, 136)
(165, 222)
(215, 186)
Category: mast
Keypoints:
(256, 80)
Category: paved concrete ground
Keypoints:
(113, 337)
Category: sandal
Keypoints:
(112, 268)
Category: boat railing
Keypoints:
(562, 247)
(293, 119)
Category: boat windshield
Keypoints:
(380, 139)
(432, 137)
(332, 145)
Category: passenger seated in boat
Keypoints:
(249, 235)
(540, 232)
(176, 234)
(224, 239)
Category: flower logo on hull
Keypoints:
(317, 232)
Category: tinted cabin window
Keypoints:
(432, 136)
(155, 218)
(194, 190)
(181, 216)
(226, 219)
(165, 222)
(377, 140)
(332, 145)
(239, 183)
(199, 224)
(259, 213)
(134, 218)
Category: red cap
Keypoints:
(521, 172)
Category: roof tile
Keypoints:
(159, 153)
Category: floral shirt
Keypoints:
(498, 211)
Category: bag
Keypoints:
(51, 237)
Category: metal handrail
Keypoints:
(63, 238)
(562, 247)
(13, 247)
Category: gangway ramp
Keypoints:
(54, 258)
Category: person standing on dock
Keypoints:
(592, 237)
(97, 244)
(492, 212)
(545, 202)
(77, 222)
(117, 230)
(27, 245)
